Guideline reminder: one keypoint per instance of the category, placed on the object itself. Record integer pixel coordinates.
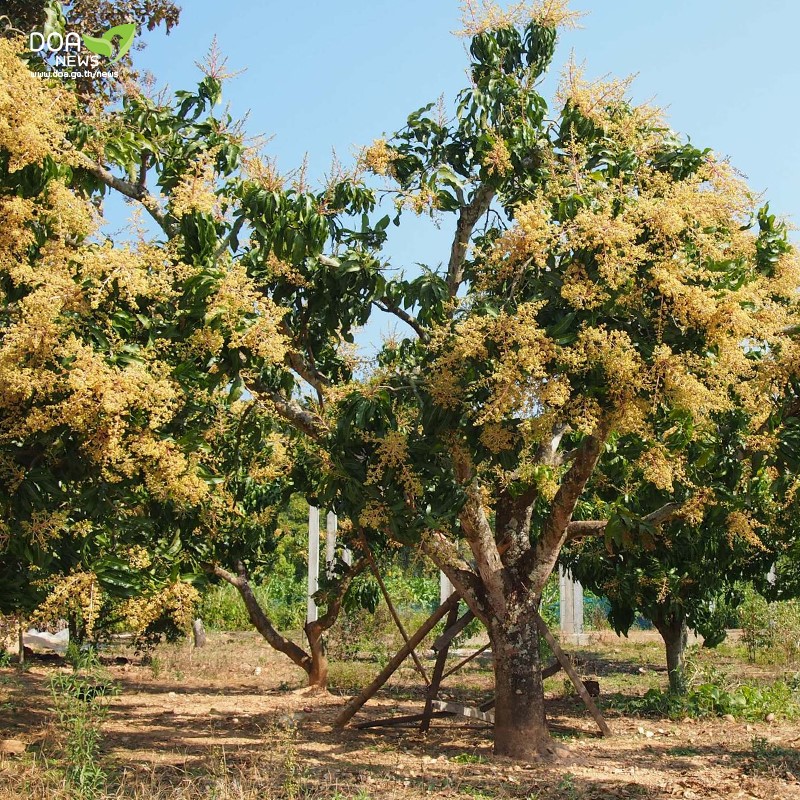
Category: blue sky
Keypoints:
(322, 75)
(338, 74)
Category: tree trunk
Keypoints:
(674, 632)
(318, 673)
(520, 729)
(77, 631)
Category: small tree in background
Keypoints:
(689, 571)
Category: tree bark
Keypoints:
(318, 674)
(673, 630)
(520, 728)
(21, 641)
(315, 662)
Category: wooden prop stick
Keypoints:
(352, 707)
(390, 722)
(570, 670)
(452, 631)
(438, 671)
(465, 661)
(397, 621)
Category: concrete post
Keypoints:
(330, 542)
(570, 596)
(445, 587)
(313, 563)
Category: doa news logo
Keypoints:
(73, 56)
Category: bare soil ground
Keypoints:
(232, 721)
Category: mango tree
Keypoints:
(131, 459)
(609, 288)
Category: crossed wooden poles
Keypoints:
(453, 626)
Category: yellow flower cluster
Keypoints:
(606, 104)
(378, 158)
(498, 159)
(741, 526)
(30, 111)
(420, 202)
(660, 467)
(76, 593)
(496, 438)
(479, 16)
(520, 353)
(43, 527)
(178, 601)
(375, 516)
(251, 319)
(168, 473)
(138, 557)
(392, 454)
(195, 190)
(524, 245)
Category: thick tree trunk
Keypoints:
(674, 632)
(520, 729)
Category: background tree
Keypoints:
(688, 571)
(131, 459)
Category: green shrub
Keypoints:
(770, 630)
(710, 699)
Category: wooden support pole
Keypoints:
(466, 660)
(405, 719)
(357, 702)
(395, 616)
(438, 671)
(451, 631)
(570, 670)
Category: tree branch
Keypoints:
(467, 219)
(296, 362)
(547, 452)
(257, 616)
(299, 418)
(538, 562)
(135, 191)
(335, 604)
(581, 529)
(384, 305)
(512, 523)
(444, 554)
(482, 542)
